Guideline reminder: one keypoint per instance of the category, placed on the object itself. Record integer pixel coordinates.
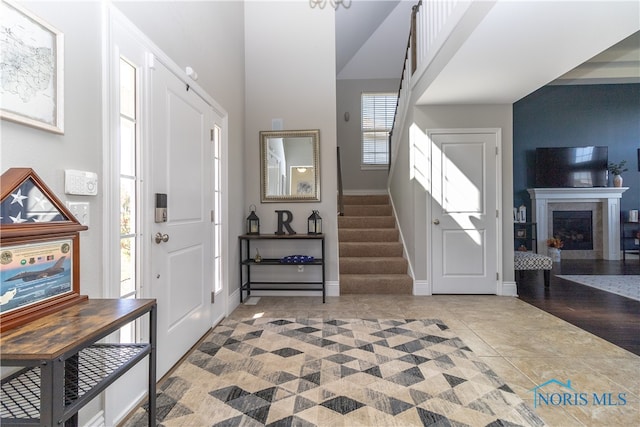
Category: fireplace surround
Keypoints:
(607, 199)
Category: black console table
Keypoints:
(64, 366)
(629, 237)
(247, 262)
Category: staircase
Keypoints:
(371, 260)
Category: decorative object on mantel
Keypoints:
(616, 169)
(555, 245)
(314, 223)
(39, 250)
(253, 222)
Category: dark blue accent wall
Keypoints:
(571, 116)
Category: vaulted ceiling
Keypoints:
(371, 40)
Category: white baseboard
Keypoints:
(509, 289)
(233, 302)
(421, 287)
(382, 192)
(96, 421)
(332, 289)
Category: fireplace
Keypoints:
(606, 216)
(575, 229)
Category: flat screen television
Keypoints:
(558, 167)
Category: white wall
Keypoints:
(349, 133)
(80, 147)
(290, 75)
(407, 193)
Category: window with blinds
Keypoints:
(378, 110)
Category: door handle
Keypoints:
(161, 238)
(436, 221)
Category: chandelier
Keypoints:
(334, 3)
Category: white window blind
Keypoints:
(378, 110)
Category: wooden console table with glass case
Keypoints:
(64, 366)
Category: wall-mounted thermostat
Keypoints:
(80, 183)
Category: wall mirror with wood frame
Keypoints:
(290, 166)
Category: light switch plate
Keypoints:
(80, 210)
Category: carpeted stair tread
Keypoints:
(368, 235)
(370, 249)
(367, 221)
(373, 265)
(398, 284)
(372, 199)
(368, 210)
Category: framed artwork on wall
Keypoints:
(36, 271)
(32, 72)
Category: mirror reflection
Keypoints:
(289, 162)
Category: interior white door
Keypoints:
(182, 247)
(463, 212)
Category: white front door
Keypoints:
(463, 211)
(180, 167)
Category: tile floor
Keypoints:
(524, 345)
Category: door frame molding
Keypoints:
(428, 286)
(117, 401)
(113, 17)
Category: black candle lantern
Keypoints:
(314, 223)
(253, 222)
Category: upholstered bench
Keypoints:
(532, 261)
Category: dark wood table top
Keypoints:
(280, 236)
(53, 335)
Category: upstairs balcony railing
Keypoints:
(430, 23)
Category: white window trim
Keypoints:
(373, 166)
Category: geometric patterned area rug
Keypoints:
(625, 285)
(340, 372)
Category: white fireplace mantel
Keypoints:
(609, 197)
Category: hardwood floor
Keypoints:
(606, 315)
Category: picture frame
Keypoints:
(34, 95)
(36, 272)
(521, 233)
(302, 180)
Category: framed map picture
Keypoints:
(31, 69)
